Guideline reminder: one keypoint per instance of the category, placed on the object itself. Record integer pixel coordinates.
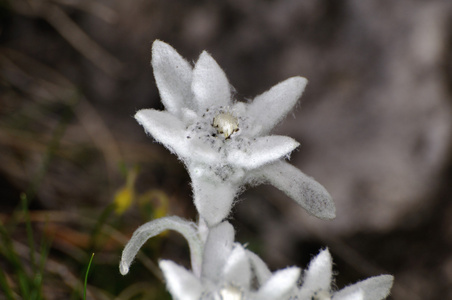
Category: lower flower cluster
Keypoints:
(225, 270)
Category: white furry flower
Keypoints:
(229, 272)
(225, 270)
(225, 143)
(221, 268)
(317, 279)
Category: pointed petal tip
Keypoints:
(373, 288)
(206, 60)
(319, 202)
(387, 280)
(123, 268)
(140, 114)
(164, 264)
(173, 75)
(299, 81)
(270, 107)
(205, 55)
(159, 45)
(329, 212)
(210, 84)
(292, 273)
(323, 259)
(159, 50)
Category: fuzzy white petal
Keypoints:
(213, 198)
(307, 192)
(210, 85)
(374, 288)
(261, 151)
(164, 128)
(259, 267)
(182, 284)
(173, 75)
(280, 285)
(217, 249)
(202, 152)
(155, 227)
(356, 295)
(269, 108)
(237, 270)
(318, 276)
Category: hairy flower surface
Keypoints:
(221, 269)
(228, 271)
(225, 143)
(317, 283)
(225, 270)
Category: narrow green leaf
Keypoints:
(6, 287)
(86, 276)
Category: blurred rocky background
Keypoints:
(375, 127)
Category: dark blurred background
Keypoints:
(375, 127)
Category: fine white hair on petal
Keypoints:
(210, 85)
(356, 295)
(213, 198)
(173, 76)
(269, 108)
(373, 288)
(261, 151)
(155, 227)
(182, 284)
(319, 274)
(280, 284)
(307, 192)
(237, 270)
(260, 269)
(164, 128)
(217, 249)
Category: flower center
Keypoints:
(231, 293)
(226, 124)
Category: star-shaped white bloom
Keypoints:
(225, 270)
(316, 284)
(221, 269)
(225, 143)
(228, 271)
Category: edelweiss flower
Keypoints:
(317, 279)
(221, 269)
(225, 143)
(227, 273)
(224, 270)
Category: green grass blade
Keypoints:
(86, 276)
(30, 237)
(13, 258)
(44, 251)
(6, 287)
